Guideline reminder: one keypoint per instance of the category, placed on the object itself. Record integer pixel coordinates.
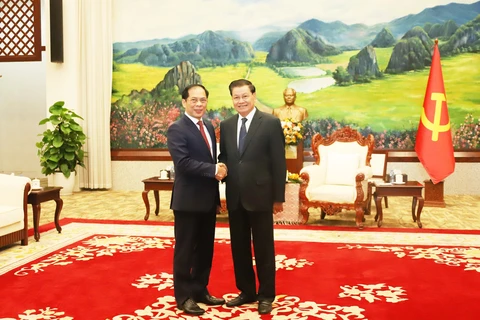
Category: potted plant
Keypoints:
(60, 149)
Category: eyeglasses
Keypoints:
(195, 100)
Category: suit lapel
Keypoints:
(211, 132)
(198, 136)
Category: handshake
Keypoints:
(221, 171)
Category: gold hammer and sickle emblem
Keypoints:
(435, 126)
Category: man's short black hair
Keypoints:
(241, 83)
(185, 91)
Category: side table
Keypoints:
(408, 189)
(36, 197)
(155, 184)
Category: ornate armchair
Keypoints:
(339, 177)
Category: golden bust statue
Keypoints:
(290, 110)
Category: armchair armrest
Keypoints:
(316, 177)
(362, 178)
(367, 172)
(12, 190)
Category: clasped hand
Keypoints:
(221, 171)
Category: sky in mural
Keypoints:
(183, 17)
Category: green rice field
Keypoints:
(371, 104)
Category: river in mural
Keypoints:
(349, 67)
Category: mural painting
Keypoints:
(362, 64)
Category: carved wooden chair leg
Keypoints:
(323, 214)
(360, 219)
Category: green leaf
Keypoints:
(60, 149)
(69, 156)
(57, 141)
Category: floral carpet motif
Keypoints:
(123, 271)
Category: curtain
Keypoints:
(96, 57)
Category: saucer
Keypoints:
(398, 182)
(163, 179)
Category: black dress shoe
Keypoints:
(210, 300)
(190, 307)
(264, 307)
(239, 300)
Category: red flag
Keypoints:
(434, 145)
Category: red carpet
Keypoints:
(123, 271)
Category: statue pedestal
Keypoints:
(294, 156)
(434, 194)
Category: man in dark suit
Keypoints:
(195, 201)
(252, 145)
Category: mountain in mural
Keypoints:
(205, 50)
(119, 47)
(340, 34)
(230, 47)
(459, 13)
(412, 52)
(300, 46)
(364, 65)
(441, 30)
(265, 42)
(465, 39)
(384, 39)
(357, 36)
(167, 90)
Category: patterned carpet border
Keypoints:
(75, 229)
(65, 221)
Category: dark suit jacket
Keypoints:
(256, 178)
(195, 187)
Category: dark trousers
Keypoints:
(245, 226)
(193, 253)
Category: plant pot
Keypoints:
(59, 180)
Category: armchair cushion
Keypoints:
(10, 215)
(342, 168)
(332, 193)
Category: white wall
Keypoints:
(22, 106)
(62, 78)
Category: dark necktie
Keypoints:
(241, 137)
(202, 131)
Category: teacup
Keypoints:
(163, 174)
(35, 184)
(398, 178)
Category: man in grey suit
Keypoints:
(195, 201)
(252, 145)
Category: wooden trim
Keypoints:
(411, 156)
(393, 156)
(140, 155)
(26, 42)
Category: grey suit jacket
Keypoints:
(256, 177)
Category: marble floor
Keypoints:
(461, 211)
